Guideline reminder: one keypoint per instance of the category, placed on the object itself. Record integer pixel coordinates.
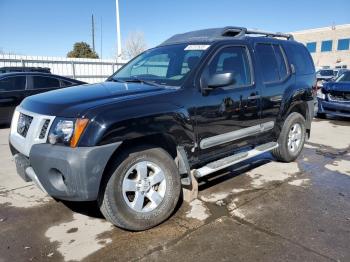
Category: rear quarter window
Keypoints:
(300, 57)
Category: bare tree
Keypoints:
(134, 45)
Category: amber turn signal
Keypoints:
(80, 125)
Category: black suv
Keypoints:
(14, 87)
(198, 103)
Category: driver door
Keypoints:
(228, 118)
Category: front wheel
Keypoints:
(292, 138)
(143, 189)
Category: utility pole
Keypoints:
(93, 32)
(101, 37)
(119, 42)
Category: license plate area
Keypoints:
(22, 162)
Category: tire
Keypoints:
(285, 152)
(321, 115)
(123, 208)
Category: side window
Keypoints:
(281, 62)
(65, 83)
(268, 62)
(232, 59)
(17, 83)
(40, 82)
(301, 59)
(190, 60)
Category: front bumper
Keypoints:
(66, 173)
(334, 108)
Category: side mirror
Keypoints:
(217, 80)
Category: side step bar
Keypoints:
(234, 159)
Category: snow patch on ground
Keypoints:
(198, 210)
(212, 198)
(232, 205)
(79, 238)
(25, 197)
(340, 166)
(215, 197)
(299, 182)
(273, 171)
(237, 213)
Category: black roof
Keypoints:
(215, 34)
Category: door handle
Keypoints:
(254, 97)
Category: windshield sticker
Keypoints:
(197, 47)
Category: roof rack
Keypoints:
(212, 34)
(241, 31)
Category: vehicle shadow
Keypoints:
(88, 208)
(4, 126)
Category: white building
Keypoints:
(329, 46)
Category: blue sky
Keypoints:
(49, 28)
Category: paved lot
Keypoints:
(257, 211)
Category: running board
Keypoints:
(234, 159)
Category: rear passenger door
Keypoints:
(275, 79)
(40, 84)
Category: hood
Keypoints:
(337, 86)
(74, 101)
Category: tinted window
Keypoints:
(345, 77)
(311, 47)
(269, 66)
(343, 44)
(45, 82)
(326, 46)
(281, 62)
(66, 83)
(326, 72)
(299, 56)
(232, 59)
(13, 83)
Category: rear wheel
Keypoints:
(142, 190)
(291, 139)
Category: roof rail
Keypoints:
(241, 31)
(212, 34)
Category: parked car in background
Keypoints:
(14, 87)
(324, 74)
(334, 97)
(339, 72)
(11, 69)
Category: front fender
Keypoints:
(116, 124)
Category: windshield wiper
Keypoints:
(116, 80)
(143, 81)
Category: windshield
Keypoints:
(167, 65)
(326, 72)
(345, 77)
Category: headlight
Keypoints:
(66, 131)
(320, 94)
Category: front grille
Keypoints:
(23, 124)
(339, 96)
(44, 129)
